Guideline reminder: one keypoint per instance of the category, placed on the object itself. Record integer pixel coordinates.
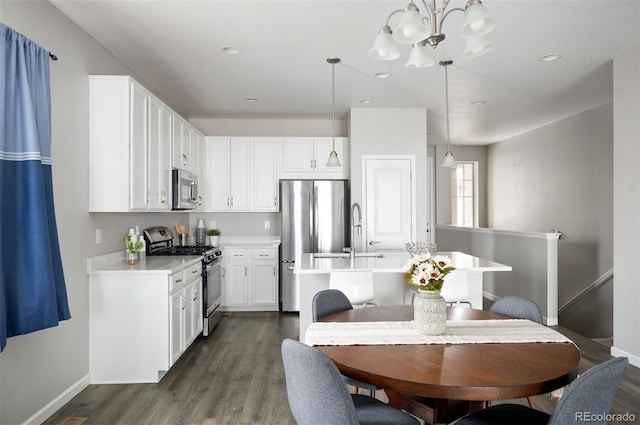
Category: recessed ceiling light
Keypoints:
(251, 100)
(478, 102)
(366, 101)
(230, 50)
(550, 57)
(382, 75)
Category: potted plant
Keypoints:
(214, 236)
(132, 246)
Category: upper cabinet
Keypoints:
(242, 174)
(132, 146)
(306, 157)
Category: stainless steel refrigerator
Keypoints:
(314, 219)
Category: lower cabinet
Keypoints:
(141, 322)
(250, 279)
(185, 311)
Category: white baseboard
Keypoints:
(54, 405)
(633, 359)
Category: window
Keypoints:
(464, 194)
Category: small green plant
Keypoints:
(213, 232)
(132, 246)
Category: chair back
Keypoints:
(328, 302)
(588, 399)
(454, 288)
(357, 285)
(518, 307)
(316, 392)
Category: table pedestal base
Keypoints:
(432, 411)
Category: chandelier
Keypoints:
(420, 31)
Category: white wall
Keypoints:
(390, 132)
(626, 203)
(38, 368)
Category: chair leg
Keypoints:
(530, 400)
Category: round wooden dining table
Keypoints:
(471, 372)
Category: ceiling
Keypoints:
(175, 47)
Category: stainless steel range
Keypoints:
(159, 241)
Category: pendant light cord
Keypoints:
(446, 95)
(333, 97)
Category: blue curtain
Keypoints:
(33, 295)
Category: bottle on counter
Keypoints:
(201, 232)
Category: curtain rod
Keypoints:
(53, 57)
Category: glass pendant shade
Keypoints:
(333, 161)
(420, 57)
(410, 29)
(449, 160)
(384, 48)
(477, 21)
(477, 46)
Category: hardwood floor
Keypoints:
(235, 377)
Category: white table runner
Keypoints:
(458, 332)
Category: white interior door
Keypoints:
(389, 198)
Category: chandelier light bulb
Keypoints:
(410, 29)
(477, 21)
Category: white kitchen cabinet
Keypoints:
(159, 154)
(186, 310)
(250, 279)
(181, 144)
(306, 157)
(243, 174)
(141, 321)
(131, 146)
(265, 175)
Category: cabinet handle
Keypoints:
(228, 201)
(184, 302)
(163, 197)
(184, 160)
(178, 280)
(232, 201)
(195, 271)
(311, 163)
(275, 201)
(245, 271)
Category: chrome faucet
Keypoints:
(355, 227)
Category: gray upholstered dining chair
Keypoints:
(519, 307)
(587, 400)
(317, 394)
(332, 301)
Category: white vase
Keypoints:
(430, 312)
(214, 240)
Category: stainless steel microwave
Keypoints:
(184, 189)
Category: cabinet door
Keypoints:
(322, 148)
(236, 283)
(138, 145)
(240, 174)
(264, 283)
(265, 179)
(159, 156)
(218, 155)
(198, 167)
(176, 326)
(297, 155)
(189, 325)
(196, 297)
(181, 144)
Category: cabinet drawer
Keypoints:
(192, 272)
(176, 281)
(236, 254)
(264, 254)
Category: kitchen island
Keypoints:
(390, 288)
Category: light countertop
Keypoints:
(249, 241)
(115, 263)
(391, 262)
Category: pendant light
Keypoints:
(449, 160)
(333, 156)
